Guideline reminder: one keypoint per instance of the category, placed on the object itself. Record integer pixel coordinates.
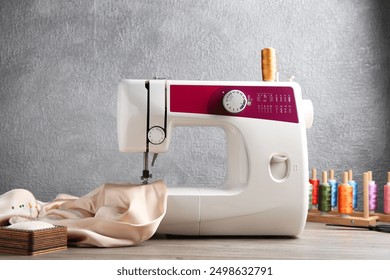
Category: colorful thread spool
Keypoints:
(366, 213)
(310, 196)
(386, 196)
(345, 196)
(354, 186)
(315, 183)
(333, 188)
(373, 191)
(324, 194)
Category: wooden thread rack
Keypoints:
(356, 218)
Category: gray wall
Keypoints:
(61, 62)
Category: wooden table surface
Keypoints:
(317, 242)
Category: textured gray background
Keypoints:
(61, 62)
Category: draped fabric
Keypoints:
(112, 215)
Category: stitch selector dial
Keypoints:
(156, 135)
(234, 101)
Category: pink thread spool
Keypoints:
(386, 196)
(373, 191)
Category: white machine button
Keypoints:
(156, 135)
(279, 167)
(234, 101)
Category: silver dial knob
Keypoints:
(156, 135)
(234, 101)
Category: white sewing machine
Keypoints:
(266, 187)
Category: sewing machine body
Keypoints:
(266, 187)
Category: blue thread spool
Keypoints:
(354, 186)
(333, 185)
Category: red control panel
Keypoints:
(262, 102)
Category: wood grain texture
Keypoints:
(33, 242)
(317, 242)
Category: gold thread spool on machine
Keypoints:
(268, 64)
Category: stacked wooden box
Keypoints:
(33, 242)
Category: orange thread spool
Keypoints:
(315, 183)
(268, 64)
(345, 196)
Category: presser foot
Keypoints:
(145, 172)
(145, 176)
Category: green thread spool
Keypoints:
(310, 196)
(324, 194)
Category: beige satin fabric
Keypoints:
(112, 215)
